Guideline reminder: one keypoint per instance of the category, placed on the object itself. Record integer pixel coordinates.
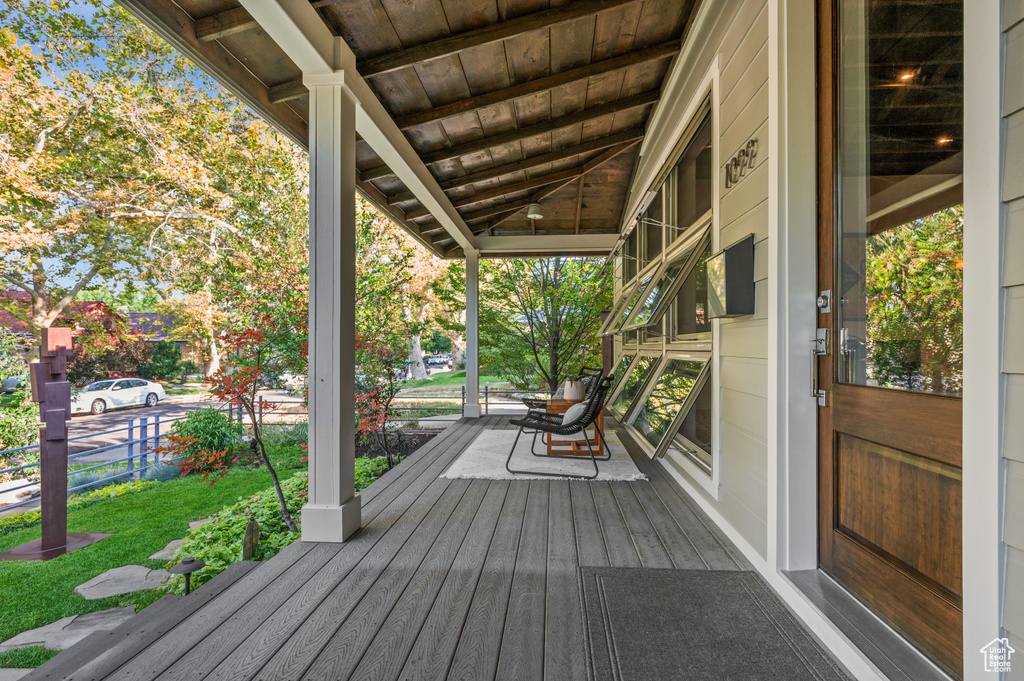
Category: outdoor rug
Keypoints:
(485, 459)
(695, 625)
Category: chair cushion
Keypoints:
(574, 412)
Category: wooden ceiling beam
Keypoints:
(287, 91)
(531, 183)
(484, 35)
(520, 134)
(547, 191)
(508, 94)
(529, 163)
(224, 23)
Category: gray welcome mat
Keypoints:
(654, 625)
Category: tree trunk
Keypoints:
(458, 343)
(214, 365)
(419, 370)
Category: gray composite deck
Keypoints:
(447, 579)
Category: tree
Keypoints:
(914, 289)
(539, 318)
(380, 361)
(164, 362)
(449, 291)
(256, 361)
(92, 151)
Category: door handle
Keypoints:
(822, 346)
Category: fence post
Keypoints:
(487, 401)
(463, 411)
(144, 446)
(156, 437)
(131, 445)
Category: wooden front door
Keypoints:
(891, 272)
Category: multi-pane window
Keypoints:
(695, 176)
(666, 399)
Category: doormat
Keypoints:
(485, 458)
(654, 625)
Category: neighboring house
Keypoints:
(96, 309)
(154, 327)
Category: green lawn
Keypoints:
(453, 379)
(33, 594)
(191, 390)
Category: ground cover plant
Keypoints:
(142, 523)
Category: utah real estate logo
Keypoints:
(997, 654)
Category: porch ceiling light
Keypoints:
(533, 212)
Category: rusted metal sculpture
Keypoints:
(51, 389)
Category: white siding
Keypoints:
(742, 47)
(1013, 340)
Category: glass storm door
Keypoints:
(891, 272)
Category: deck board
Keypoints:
(453, 579)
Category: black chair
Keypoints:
(555, 424)
(590, 377)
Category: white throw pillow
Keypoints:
(574, 412)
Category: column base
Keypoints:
(471, 411)
(331, 523)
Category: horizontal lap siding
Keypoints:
(741, 42)
(1013, 341)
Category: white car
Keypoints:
(122, 392)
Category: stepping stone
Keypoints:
(167, 552)
(196, 524)
(122, 580)
(68, 631)
(12, 674)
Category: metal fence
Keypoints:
(143, 434)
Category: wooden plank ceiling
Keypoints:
(508, 102)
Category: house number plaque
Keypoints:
(738, 166)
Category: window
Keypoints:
(667, 397)
(629, 267)
(634, 297)
(694, 177)
(691, 301)
(674, 274)
(631, 384)
(620, 371)
(693, 438)
(652, 221)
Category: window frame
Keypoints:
(690, 249)
(688, 401)
(655, 354)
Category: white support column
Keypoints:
(472, 409)
(333, 513)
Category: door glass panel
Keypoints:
(631, 385)
(667, 397)
(900, 160)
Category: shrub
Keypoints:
(188, 368)
(164, 362)
(161, 472)
(18, 424)
(218, 543)
(207, 430)
(294, 435)
(368, 470)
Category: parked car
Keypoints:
(100, 396)
(439, 361)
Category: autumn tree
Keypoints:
(539, 318)
(97, 150)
